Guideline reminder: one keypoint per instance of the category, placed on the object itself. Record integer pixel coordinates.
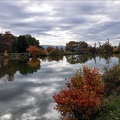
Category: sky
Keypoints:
(56, 22)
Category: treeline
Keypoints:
(16, 44)
(83, 47)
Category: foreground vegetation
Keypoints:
(111, 105)
(111, 111)
(90, 95)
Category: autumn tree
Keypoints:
(18, 44)
(33, 50)
(115, 49)
(21, 42)
(74, 46)
(6, 41)
(82, 97)
(49, 49)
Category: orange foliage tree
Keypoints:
(116, 49)
(82, 97)
(33, 50)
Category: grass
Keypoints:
(111, 110)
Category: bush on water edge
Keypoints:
(84, 90)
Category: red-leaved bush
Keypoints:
(82, 97)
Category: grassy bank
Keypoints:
(111, 111)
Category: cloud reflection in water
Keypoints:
(29, 97)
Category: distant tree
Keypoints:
(8, 40)
(21, 44)
(83, 44)
(2, 43)
(50, 49)
(71, 46)
(14, 47)
(31, 40)
(115, 49)
(56, 52)
(33, 50)
(43, 52)
(106, 47)
(76, 46)
(62, 50)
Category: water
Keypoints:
(27, 87)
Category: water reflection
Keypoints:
(29, 97)
(73, 59)
(10, 67)
(83, 58)
(34, 62)
(116, 55)
(52, 58)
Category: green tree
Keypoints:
(31, 40)
(76, 46)
(14, 47)
(106, 47)
(21, 44)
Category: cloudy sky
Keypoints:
(55, 22)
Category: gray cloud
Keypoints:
(58, 22)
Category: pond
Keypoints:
(27, 87)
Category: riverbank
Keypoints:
(111, 111)
(14, 56)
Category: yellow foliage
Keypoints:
(5, 54)
(115, 49)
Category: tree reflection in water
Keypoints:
(116, 55)
(83, 58)
(34, 62)
(52, 58)
(10, 67)
(72, 59)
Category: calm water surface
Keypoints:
(26, 87)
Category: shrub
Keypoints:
(44, 53)
(111, 111)
(111, 78)
(33, 50)
(112, 75)
(116, 50)
(83, 95)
